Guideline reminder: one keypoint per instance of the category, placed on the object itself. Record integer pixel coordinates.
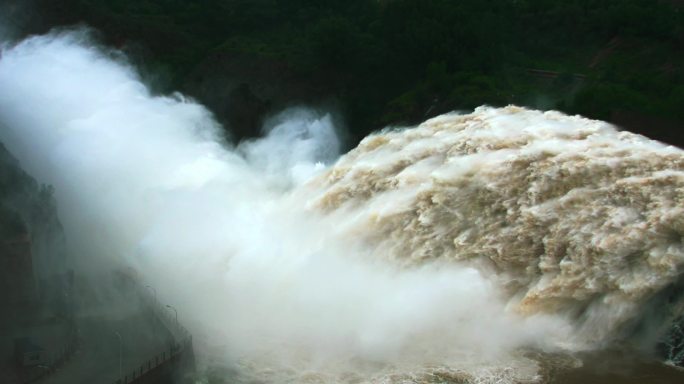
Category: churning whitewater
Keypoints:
(453, 248)
(569, 214)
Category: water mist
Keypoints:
(409, 255)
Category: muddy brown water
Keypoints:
(618, 368)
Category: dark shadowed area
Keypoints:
(398, 61)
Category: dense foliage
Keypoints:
(399, 61)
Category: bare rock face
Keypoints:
(568, 215)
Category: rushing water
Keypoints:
(569, 215)
(505, 245)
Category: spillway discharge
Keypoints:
(446, 250)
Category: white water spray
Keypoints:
(284, 266)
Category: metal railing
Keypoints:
(182, 340)
(155, 362)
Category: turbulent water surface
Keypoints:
(569, 215)
(501, 245)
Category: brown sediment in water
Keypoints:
(617, 367)
(569, 215)
(443, 252)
